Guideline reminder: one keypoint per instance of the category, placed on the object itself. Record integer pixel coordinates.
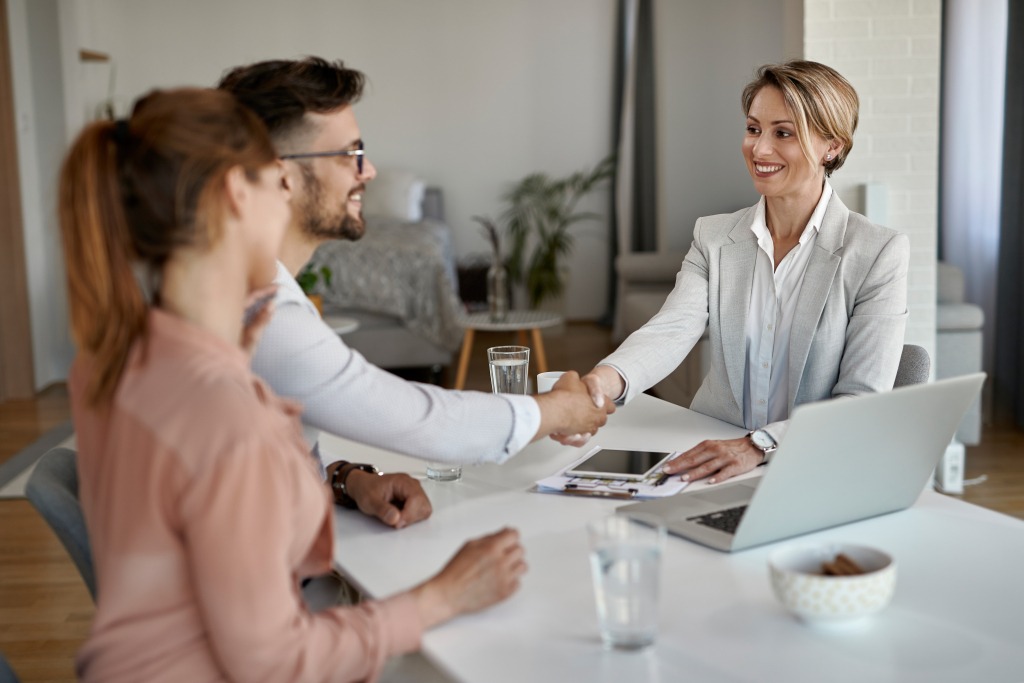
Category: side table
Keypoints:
(341, 324)
(517, 321)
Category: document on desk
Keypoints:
(655, 485)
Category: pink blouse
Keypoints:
(204, 513)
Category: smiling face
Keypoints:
(774, 156)
(329, 200)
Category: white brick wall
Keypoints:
(890, 52)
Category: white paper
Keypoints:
(654, 486)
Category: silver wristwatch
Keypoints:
(764, 442)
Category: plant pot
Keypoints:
(318, 301)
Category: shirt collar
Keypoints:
(760, 226)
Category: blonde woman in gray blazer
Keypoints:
(803, 299)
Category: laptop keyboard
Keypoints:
(723, 520)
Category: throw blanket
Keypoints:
(402, 269)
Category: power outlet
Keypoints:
(949, 475)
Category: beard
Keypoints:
(318, 221)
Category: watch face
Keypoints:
(762, 439)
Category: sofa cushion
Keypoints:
(957, 317)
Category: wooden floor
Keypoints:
(45, 608)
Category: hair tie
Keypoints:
(121, 132)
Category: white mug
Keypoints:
(546, 380)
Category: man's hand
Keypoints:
(569, 413)
(398, 500)
(724, 459)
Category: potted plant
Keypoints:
(309, 278)
(541, 210)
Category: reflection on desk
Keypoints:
(956, 615)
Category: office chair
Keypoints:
(53, 491)
(7, 674)
(915, 364)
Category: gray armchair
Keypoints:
(958, 342)
(645, 279)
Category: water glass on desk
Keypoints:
(625, 564)
(509, 366)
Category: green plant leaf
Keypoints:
(539, 213)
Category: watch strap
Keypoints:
(339, 481)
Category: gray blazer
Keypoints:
(847, 336)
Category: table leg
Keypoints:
(467, 348)
(538, 350)
(521, 338)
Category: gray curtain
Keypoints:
(633, 133)
(1009, 366)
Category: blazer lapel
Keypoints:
(818, 279)
(736, 279)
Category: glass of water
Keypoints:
(509, 367)
(625, 564)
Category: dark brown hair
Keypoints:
(820, 99)
(134, 191)
(281, 91)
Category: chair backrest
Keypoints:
(915, 365)
(53, 491)
(7, 674)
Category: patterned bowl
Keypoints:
(801, 586)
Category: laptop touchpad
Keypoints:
(739, 492)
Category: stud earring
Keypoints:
(828, 157)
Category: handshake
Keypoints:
(575, 408)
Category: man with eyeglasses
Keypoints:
(307, 108)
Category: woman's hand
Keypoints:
(723, 459)
(484, 572)
(569, 412)
(259, 308)
(604, 384)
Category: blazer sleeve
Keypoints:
(875, 330)
(649, 354)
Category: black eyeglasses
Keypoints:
(359, 153)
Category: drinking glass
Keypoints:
(443, 471)
(509, 367)
(625, 564)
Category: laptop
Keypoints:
(841, 461)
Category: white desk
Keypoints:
(958, 612)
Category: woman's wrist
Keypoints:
(431, 604)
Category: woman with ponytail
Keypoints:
(203, 508)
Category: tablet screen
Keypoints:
(609, 462)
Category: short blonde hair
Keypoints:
(820, 99)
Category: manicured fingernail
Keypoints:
(599, 400)
(711, 481)
(685, 477)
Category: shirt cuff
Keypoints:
(525, 423)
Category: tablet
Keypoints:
(610, 463)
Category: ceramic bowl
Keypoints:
(801, 586)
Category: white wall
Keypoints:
(37, 51)
(706, 53)
(890, 52)
(472, 95)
